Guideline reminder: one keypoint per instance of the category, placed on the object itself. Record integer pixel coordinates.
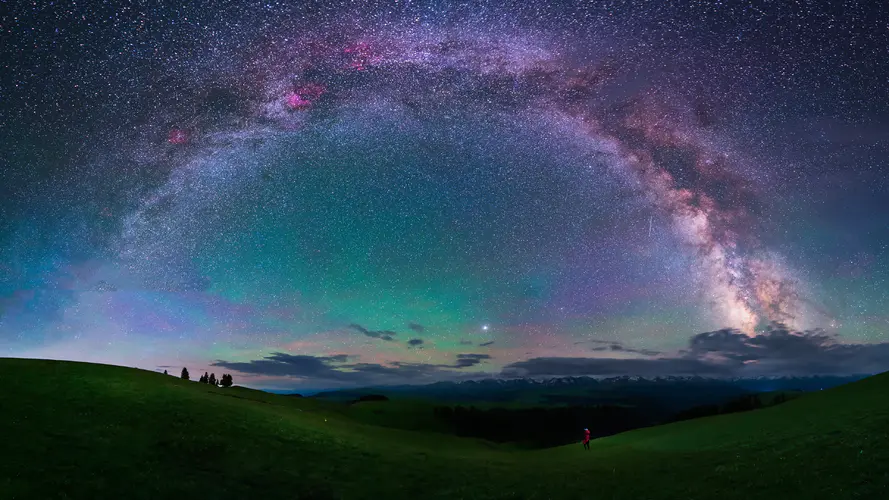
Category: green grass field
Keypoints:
(76, 430)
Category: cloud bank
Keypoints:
(726, 353)
(337, 370)
(721, 353)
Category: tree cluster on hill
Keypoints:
(210, 378)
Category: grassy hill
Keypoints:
(76, 430)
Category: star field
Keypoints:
(321, 194)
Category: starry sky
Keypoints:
(327, 194)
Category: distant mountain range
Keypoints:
(549, 412)
(666, 393)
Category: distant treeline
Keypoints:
(541, 426)
(744, 403)
(370, 397)
(547, 426)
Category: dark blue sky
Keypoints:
(285, 190)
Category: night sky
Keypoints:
(312, 194)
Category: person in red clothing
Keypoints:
(586, 439)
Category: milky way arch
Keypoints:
(663, 148)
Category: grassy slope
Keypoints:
(95, 431)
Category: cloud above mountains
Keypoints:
(727, 352)
(337, 370)
(721, 353)
(467, 360)
(617, 347)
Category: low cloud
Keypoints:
(416, 327)
(336, 369)
(338, 358)
(467, 360)
(727, 352)
(388, 335)
(415, 342)
(555, 367)
(722, 353)
(618, 347)
(465, 342)
(289, 365)
(486, 344)
(783, 351)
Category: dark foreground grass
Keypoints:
(75, 430)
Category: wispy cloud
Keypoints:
(388, 335)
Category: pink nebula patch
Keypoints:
(304, 95)
(298, 102)
(177, 136)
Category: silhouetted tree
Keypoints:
(226, 380)
(213, 380)
(205, 379)
(184, 375)
(165, 372)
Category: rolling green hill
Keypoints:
(76, 430)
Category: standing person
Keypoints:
(586, 439)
